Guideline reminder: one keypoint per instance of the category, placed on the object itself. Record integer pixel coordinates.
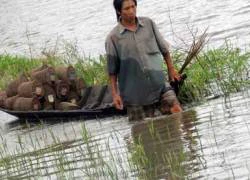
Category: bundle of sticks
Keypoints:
(197, 45)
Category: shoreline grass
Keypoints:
(215, 72)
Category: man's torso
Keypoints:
(140, 67)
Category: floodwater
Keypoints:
(210, 141)
(29, 27)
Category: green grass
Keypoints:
(214, 72)
(12, 66)
(92, 70)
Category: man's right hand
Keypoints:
(117, 100)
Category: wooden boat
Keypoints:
(96, 103)
(70, 114)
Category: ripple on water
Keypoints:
(90, 21)
(209, 141)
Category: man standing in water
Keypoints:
(134, 50)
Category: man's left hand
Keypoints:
(174, 75)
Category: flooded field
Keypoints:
(210, 141)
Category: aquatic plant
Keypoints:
(41, 153)
(46, 155)
(216, 72)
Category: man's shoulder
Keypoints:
(145, 20)
(113, 32)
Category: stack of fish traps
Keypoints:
(47, 88)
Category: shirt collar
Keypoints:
(122, 29)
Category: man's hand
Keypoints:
(176, 80)
(173, 75)
(117, 100)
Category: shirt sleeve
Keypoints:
(113, 64)
(161, 42)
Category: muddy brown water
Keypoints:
(209, 141)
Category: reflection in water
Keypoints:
(210, 142)
(167, 145)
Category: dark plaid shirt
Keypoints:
(136, 59)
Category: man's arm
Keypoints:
(113, 68)
(164, 48)
(117, 100)
(172, 73)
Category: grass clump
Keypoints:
(12, 66)
(92, 70)
(216, 72)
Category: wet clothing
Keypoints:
(138, 113)
(136, 59)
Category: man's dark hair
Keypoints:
(118, 7)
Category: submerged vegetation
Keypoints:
(157, 151)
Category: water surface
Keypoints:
(205, 142)
(28, 27)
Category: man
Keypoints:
(134, 51)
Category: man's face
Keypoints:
(128, 11)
